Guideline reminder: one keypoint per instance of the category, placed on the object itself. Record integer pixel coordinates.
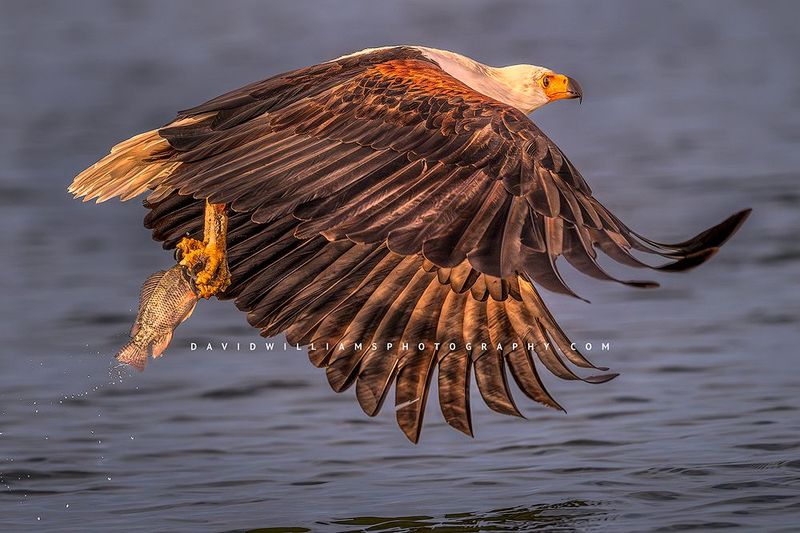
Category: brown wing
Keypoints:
(342, 296)
(378, 199)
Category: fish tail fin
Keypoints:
(133, 355)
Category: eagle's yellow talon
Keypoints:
(206, 259)
(187, 245)
(192, 253)
(209, 264)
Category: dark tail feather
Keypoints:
(133, 355)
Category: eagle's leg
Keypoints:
(207, 258)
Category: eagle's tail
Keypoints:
(134, 166)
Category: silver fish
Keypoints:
(168, 297)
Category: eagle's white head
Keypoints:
(526, 87)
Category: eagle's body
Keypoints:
(396, 195)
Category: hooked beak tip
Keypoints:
(575, 90)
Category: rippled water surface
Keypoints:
(691, 112)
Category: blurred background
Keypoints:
(691, 112)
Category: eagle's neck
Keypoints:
(510, 85)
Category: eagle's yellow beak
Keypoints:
(558, 86)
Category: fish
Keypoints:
(167, 298)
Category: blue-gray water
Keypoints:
(692, 111)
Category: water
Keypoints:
(691, 112)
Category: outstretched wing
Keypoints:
(377, 199)
(341, 297)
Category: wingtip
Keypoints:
(693, 252)
(643, 284)
(734, 222)
(741, 217)
(412, 436)
(718, 234)
(690, 261)
(601, 378)
(461, 428)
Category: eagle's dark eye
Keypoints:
(545, 81)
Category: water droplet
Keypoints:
(109, 478)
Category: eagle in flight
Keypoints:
(396, 209)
